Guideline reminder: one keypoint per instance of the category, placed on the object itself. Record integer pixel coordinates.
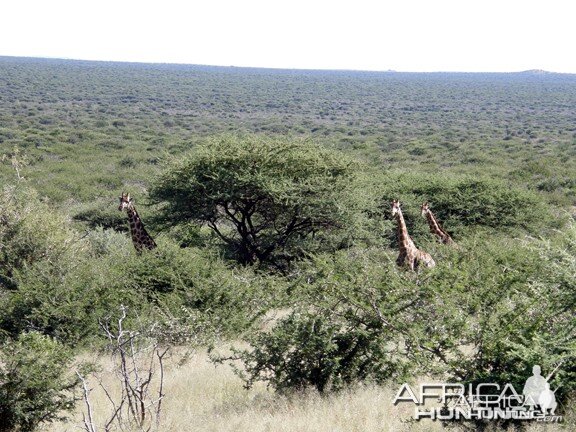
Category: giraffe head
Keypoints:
(425, 208)
(125, 201)
(395, 207)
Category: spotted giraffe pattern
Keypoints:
(435, 227)
(140, 237)
(409, 256)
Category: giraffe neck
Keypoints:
(435, 227)
(140, 236)
(404, 240)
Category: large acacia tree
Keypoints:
(263, 197)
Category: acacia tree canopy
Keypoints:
(258, 194)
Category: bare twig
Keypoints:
(135, 407)
(161, 388)
(88, 422)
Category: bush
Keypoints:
(177, 291)
(500, 309)
(30, 232)
(336, 341)
(34, 384)
(63, 285)
(488, 312)
(320, 350)
(59, 284)
(109, 243)
(66, 299)
(195, 287)
(462, 201)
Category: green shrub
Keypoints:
(503, 307)
(319, 350)
(30, 232)
(53, 280)
(64, 285)
(35, 385)
(329, 340)
(66, 299)
(189, 284)
(109, 243)
(487, 312)
(463, 201)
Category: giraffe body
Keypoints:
(140, 237)
(409, 256)
(435, 227)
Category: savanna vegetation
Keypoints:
(268, 195)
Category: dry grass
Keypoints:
(203, 397)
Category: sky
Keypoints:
(402, 35)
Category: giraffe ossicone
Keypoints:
(140, 237)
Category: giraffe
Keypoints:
(140, 237)
(435, 227)
(409, 255)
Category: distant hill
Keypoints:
(537, 72)
(256, 70)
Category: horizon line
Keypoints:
(311, 69)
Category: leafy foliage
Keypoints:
(477, 317)
(320, 349)
(262, 197)
(67, 285)
(464, 201)
(175, 282)
(34, 382)
(30, 232)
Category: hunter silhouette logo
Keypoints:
(484, 401)
(537, 392)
